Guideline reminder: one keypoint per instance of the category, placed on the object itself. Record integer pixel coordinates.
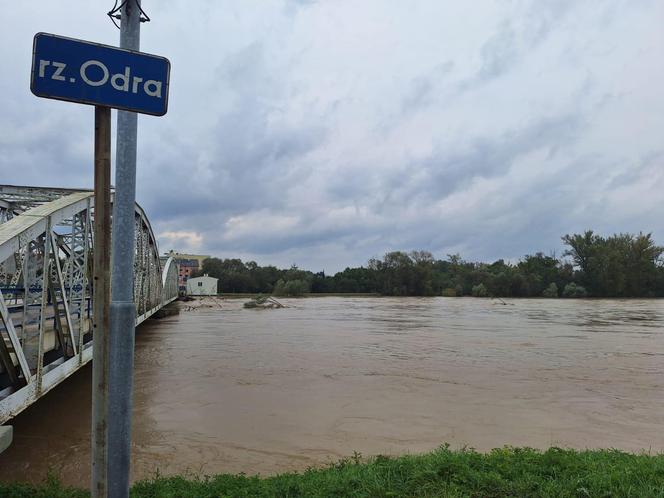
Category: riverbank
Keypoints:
(442, 473)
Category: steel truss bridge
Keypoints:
(46, 244)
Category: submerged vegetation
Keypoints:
(507, 472)
(622, 265)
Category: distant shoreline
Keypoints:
(246, 295)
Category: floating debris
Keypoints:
(501, 302)
(263, 302)
(203, 303)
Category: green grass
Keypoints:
(513, 472)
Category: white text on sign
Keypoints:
(122, 82)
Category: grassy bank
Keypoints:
(505, 472)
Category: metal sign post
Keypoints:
(122, 78)
(123, 310)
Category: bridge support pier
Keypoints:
(6, 436)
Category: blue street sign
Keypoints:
(91, 73)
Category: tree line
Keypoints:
(621, 265)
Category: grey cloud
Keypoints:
(630, 174)
(542, 17)
(251, 153)
(498, 53)
(488, 159)
(422, 89)
(285, 143)
(511, 43)
(446, 172)
(33, 153)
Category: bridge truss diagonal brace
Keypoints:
(13, 338)
(61, 285)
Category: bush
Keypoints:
(479, 290)
(449, 292)
(551, 290)
(573, 290)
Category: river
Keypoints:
(225, 389)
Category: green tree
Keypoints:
(621, 265)
(573, 290)
(480, 290)
(551, 290)
(292, 288)
(539, 272)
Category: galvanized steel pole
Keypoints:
(123, 311)
(101, 288)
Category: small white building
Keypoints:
(202, 286)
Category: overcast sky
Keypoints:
(325, 133)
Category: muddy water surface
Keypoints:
(234, 390)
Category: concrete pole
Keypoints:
(123, 311)
(101, 288)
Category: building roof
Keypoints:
(182, 255)
(204, 277)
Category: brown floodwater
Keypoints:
(265, 391)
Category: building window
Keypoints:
(200, 284)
